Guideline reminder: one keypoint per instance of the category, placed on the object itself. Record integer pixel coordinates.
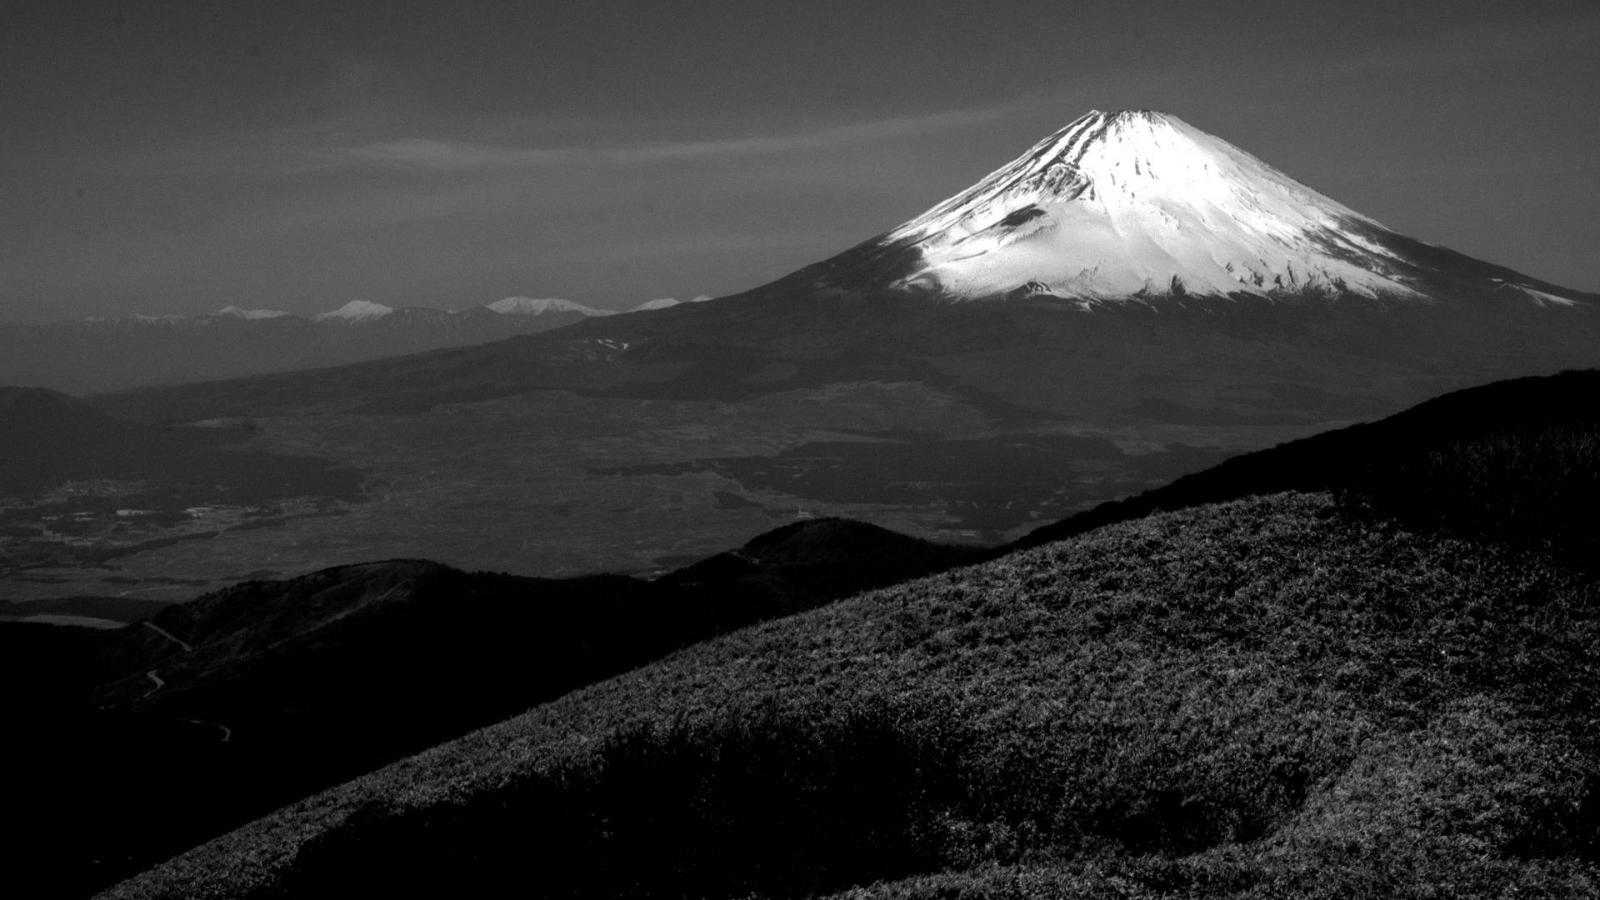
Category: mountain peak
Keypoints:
(1117, 116)
(538, 306)
(237, 312)
(657, 303)
(357, 311)
(1136, 204)
(1137, 201)
(666, 302)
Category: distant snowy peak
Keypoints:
(538, 306)
(236, 312)
(1138, 204)
(658, 303)
(668, 302)
(356, 311)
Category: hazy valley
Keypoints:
(722, 420)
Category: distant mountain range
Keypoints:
(91, 355)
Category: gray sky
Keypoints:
(174, 157)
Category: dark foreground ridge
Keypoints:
(234, 704)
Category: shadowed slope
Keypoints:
(278, 688)
(802, 564)
(1515, 460)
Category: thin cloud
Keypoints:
(464, 156)
(1471, 46)
(451, 156)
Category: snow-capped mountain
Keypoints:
(668, 302)
(539, 306)
(657, 303)
(1140, 204)
(235, 312)
(356, 311)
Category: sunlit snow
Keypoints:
(236, 312)
(357, 311)
(1116, 203)
(534, 306)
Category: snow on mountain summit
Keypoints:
(657, 303)
(237, 312)
(535, 306)
(357, 311)
(1140, 204)
(668, 302)
(1117, 203)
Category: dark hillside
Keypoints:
(275, 689)
(1265, 698)
(805, 563)
(1516, 460)
(73, 657)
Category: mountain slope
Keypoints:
(1263, 698)
(1140, 204)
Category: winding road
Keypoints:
(187, 647)
(156, 679)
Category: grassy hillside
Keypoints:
(1275, 696)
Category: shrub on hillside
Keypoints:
(1536, 487)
